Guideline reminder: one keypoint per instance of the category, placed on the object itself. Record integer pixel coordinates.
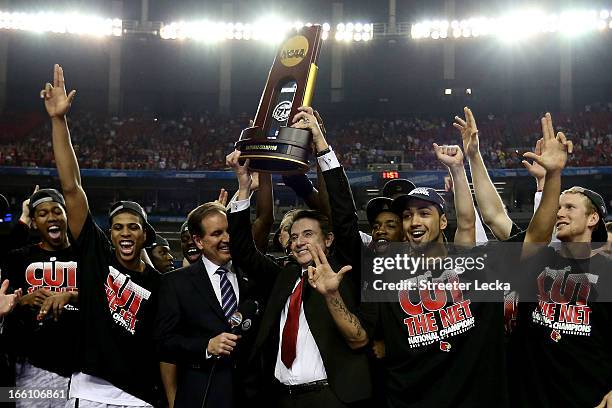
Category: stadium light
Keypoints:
(270, 29)
(61, 23)
(448, 91)
(517, 25)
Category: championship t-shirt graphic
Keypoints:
(562, 302)
(125, 298)
(435, 314)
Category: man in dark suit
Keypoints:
(196, 303)
(305, 359)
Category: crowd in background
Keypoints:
(200, 142)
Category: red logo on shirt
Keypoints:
(56, 276)
(124, 298)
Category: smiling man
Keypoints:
(47, 313)
(191, 253)
(423, 217)
(304, 359)
(117, 364)
(193, 328)
(385, 222)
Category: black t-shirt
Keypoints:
(562, 346)
(442, 348)
(46, 344)
(118, 308)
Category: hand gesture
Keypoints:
(36, 298)
(469, 132)
(534, 168)
(7, 302)
(55, 304)
(554, 150)
(222, 344)
(450, 156)
(25, 209)
(321, 276)
(57, 102)
(606, 402)
(242, 172)
(306, 119)
(222, 197)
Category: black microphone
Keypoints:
(242, 320)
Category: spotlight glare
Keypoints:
(326, 27)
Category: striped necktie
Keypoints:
(229, 303)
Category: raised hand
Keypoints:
(7, 302)
(450, 156)
(554, 149)
(222, 197)
(321, 276)
(242, 171)
(306, 119)
(57, 102)
(25, 210)
(534, 168)
(469, 132)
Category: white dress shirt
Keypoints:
(215, 278)
(308, 364)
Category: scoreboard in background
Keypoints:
(388, 175)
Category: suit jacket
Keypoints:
(347, 370)
(189, 316)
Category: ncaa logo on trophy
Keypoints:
(271, 145)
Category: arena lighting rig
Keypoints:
(513, 26)
(268, 30)
(516, 25)
(61, 23)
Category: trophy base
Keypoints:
(287, 154)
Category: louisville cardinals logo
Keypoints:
(555, 335)
(445, 346)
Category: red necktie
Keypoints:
(292, 324)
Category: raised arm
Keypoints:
(264, 212)
(57, 104)
(489, 202)
(452, 158)
(553, 157)
(242, 247)
(339, 195)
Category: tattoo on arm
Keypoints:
(339, 305)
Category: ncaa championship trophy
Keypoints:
(270, 144)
